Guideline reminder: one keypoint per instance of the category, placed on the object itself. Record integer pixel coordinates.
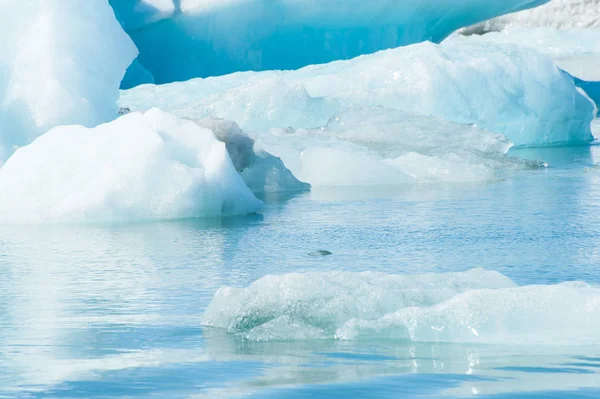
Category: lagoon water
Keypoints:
(116, 311)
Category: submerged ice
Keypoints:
(183, 39)
(477, 306)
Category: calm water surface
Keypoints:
(115, 311)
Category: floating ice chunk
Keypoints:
(324, 302)
(61, 62)
(201, 38)
(138, 167)
(562, 14)
(477, 306)
(516, 92)
(564, 314)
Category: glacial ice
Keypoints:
(575, 50)
(135, 14)
(138, 167)
(561, 14)
(477, 306)
(379, 146)
(61, 62)
(516, 92)
(184, 39)
(562, 314)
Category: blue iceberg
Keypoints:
(183, 39)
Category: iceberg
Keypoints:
(184, 39)
(61, 62)
(477, 306)
(516, 92)
(139, 167)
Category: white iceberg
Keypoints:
(61, 62)
(183, 39)
(476, 306)
(139, 167)
(517, 92)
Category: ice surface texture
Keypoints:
(476, 306)
(562, 14)
(575, 50)
(199, 38)
(379, 146)
(61, 62)
(138, 167)
(504, 89)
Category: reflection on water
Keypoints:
(101, 311)
(470, 368)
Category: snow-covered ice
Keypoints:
(138, 167)
(199, 38)
(61, 62)
(476, 306)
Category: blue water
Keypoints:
(115, 311)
